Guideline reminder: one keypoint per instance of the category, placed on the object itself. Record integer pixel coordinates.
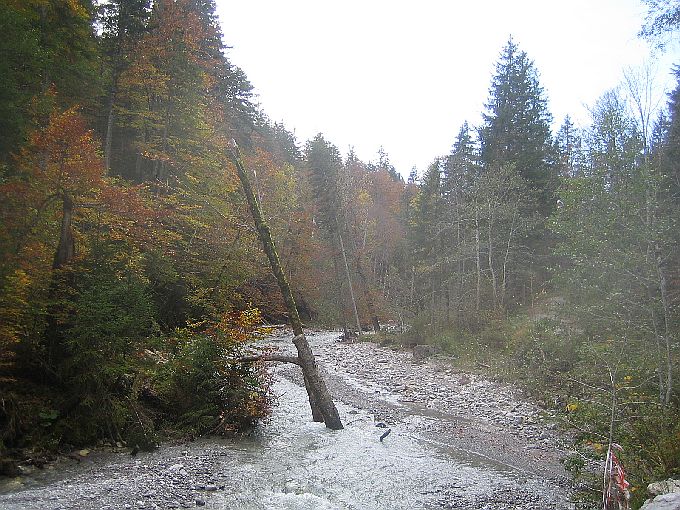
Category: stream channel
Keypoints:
(457, 441)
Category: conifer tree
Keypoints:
(569, 150)
(516, 128)
(123, 23)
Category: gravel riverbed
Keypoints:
(457, 441)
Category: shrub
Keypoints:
(205, 386)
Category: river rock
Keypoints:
(177, 469)
(663, 502)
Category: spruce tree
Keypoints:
(569, 149)
(516, 128)
(673, 137)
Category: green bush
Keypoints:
(205, 387)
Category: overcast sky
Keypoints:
(406, 75)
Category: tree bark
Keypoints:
(663, 289)
(492, 271)
(320, 401)
(367, 295)
(478, 259)
(349, 279)
(67, 248)
(108, 137)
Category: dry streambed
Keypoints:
(461, 409)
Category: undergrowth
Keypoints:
(180, 385)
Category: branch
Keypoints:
(270, 357)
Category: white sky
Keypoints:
(405, 75)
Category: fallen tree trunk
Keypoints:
(323, 408)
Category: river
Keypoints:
(457, 441)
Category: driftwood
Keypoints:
(323, 408)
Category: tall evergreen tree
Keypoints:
(615, 145)
(48, 55)
(123, 23)
(673, 137)
(516, 128)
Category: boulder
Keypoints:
(663, 502)
(666, 496)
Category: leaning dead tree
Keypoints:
(323, 408)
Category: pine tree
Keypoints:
(615, 145)
(569, 150)
(48, 55)
(673, 137)
(516, 128)
(425, 224)
(123, 23)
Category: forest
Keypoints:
(132, 278)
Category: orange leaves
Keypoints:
(176, 38)
(128, 215)
(64, 158)
(239, 327)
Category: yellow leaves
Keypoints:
(241, 326)
(364, 199)
(78, 9)
(14, 303)
(598, 447)
(572, 406)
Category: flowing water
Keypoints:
(298, 464)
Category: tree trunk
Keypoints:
(479, 261)
(320, 401)
(663, 288)
(508, 246)
(67, 247)
(492, 271)
(367, 295)
(342, 316)
(108, 138)
(349, 280)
